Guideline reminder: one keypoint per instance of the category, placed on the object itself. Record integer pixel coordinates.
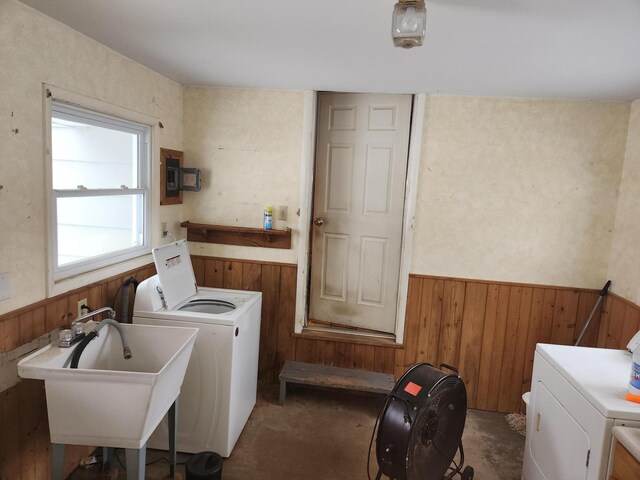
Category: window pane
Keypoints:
(93, 156)
(92, 226)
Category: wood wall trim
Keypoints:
(626, 301)
(242, 260)
(503, 282)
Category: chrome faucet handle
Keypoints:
(77, 328)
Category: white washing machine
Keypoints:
(577, 397)
(219, 388)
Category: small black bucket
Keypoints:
(204, 466)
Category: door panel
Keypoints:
(373, 261)
(382, 118)
(559, 445)
(338, 186)
(378, 180)
(361, 164)
(342, 117)
(336, 260)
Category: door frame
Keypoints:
(306, 202)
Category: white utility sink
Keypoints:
(109, 401)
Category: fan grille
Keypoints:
(437, 430)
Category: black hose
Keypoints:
(124, 316)
(79, 349)
(131, 280)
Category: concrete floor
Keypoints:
(325, 434)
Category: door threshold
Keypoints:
(346, 335)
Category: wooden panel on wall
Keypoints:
(488, 330)
(620, 321)
(492, 346)
(471, 336)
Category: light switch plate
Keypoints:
(283, 212)
(5, 286)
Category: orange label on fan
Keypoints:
(412, 389)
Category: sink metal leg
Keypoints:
(283, 392)
(107, 456)
(135, 462)
(57, 461)
(173, 427)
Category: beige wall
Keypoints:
(624, 267)
(248, 144)
(509, 189)
(519, 190)
(34, 49)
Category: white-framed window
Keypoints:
(98, 174)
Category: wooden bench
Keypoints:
(333, 377)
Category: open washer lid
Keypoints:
(175, 272)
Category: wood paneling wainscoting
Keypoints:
(487, 329)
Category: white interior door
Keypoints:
(360, 173)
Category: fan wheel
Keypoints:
(467, 473)
(435, 434)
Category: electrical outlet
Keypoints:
(164, 229)
(283, 212)
(5, 286)
(80, 304)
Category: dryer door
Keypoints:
(559, 445)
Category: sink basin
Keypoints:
(109, 401)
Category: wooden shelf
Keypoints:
(244, 236)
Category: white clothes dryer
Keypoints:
(577, 397)
(219, 389)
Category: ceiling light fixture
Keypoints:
(408, 23)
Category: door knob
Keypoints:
(318, 222)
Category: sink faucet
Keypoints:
(69, 337)
(126, 351)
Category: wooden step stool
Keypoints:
(333, 377)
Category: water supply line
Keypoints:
(603, 293)
(126, 351)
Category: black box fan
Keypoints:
(420, 426)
